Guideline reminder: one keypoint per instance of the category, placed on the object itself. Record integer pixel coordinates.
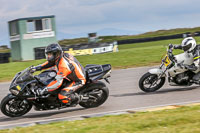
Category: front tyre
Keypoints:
(96, 94)
(150, 82)
(12, 106)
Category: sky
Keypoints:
(76, 18)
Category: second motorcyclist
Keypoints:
(189, 45)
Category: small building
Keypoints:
(29, 33)
(93, 38)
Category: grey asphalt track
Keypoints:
(124, 94)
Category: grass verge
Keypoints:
(125, 37)
(184, 119)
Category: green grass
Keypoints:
(129, 55)
(180, 120)
(132, 55)
(8, 70)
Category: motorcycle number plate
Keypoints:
(167, 61)
(18, 87)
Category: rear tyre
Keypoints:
(150, 82)
(12, 106)
(97, 95)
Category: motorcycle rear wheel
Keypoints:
(12, 106)
(151, 80)
(98, 94)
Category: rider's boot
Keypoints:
(75, 99)
(196, 78)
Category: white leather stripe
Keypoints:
(59, 80)
(79, 70)
(66, 63)
(74, 88)
(197, 62)
(82, 82)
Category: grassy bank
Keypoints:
(184, 120)
(129, 55)
(125, 37)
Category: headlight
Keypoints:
(15, 92)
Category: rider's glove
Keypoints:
(171, 46)
(35, 68)
(177, 47)
(32, 70)
(41, 91)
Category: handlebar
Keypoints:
(170, 54)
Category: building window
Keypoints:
(30, 26)
(46, 24)
(13, 28)
(38, 25)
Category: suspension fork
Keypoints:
(160, 75)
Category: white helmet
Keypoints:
(188, 44)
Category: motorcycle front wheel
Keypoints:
(12, 106)
(150, 82)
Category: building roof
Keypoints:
(31, 18)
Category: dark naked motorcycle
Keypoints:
(24, 95)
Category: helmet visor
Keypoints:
(187, 47)
(49, 56)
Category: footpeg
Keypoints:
(196, 82)
(84, 98)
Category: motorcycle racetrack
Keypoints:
(124, 94)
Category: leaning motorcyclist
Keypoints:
(67, 67)
(189, 45)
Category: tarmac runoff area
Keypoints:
(118, 112)
(125, 97)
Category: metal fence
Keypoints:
(149, 39)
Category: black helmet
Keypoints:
(55, 50)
